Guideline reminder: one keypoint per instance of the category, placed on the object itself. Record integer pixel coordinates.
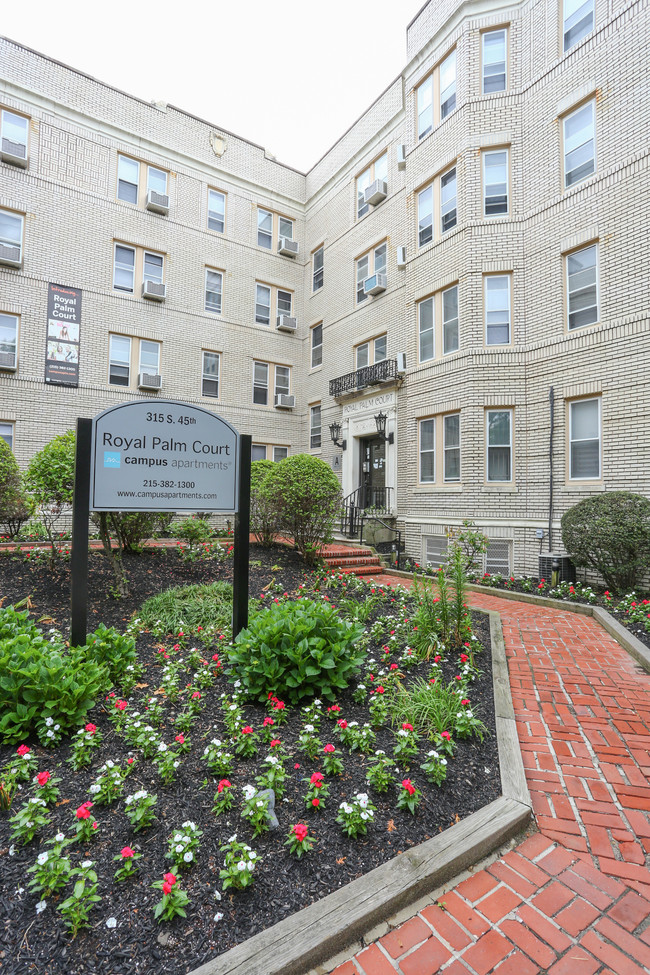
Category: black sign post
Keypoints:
(242, 541)
(79, 553)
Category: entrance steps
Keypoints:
(348, 559)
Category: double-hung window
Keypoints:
(426, 328)
(374, 262)
(261, 383)
(210, 374)
(149, 362)
(156, 180)
(11, 238)
(494, 58)
(14, 136)
(435, 464)
(8, 341)
(128, 178)
(451, 447)
(425, 215)
(450, 331)
(579, 144)
(448, 85)
(428, 451)
(317, 345)
(282, 380)
(7, 433)
(499, 445)
(439, 308)
(314, 427)
(377, 170)
(582, 287)
(124, 269)
(497, 309)
(130, 263)
(435, 96)
(268, 224)
(216, 211)
(448, 214)
(584, 439)
(424, 106)
(263, 304)
(318, 268)
(577, 21)
(439, 197)
(152, 267)
(213, 291)
(495, 182)
(119, 360)
(369, 353)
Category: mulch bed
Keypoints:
(283, 884)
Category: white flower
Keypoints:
(364, 815)
(241, 865)
(162, 747)
(41, 906)
(249, 791)
(59, 837)
(217, 895)
(309, 728)
(443, 761)
(110, 764)
(179, 848)
(50, 734)
(49, 722)
(188, 824)
(188, 857)
(94, 788)
(469, 714)
(87, 863)
(218, 916)
(12, 850)
(111, 922)
(42, 858)
(57, 727)
(233, 838)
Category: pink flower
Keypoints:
(463, 658)
(278, 706)
(166, 888)
(91, 728)
(465, 702)
(82, 812)
(247, 730)
(121, 705)
(275, 743)
(43, 778)
(317, 779)
(380, 688)
(170, 879)
(296, 766)
(126, 853)
(408, 785)
(334, 708)
(445, 735)
(406, 726)
(268, 722)
(180, 739)
(130, 761)
(300, 831)
(329, 749)
(342, 723)
(215, 656)
(223, 784)
(196, 695)
(23, 750)
(393, 666)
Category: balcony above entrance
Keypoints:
(388, 372)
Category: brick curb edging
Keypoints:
(317, 932)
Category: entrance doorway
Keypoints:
(372, 477)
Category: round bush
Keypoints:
(610, 533)
(296, 650)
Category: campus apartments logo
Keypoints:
(111, 458)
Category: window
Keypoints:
(493, 49)
(14, 132)
(149, 358)
(441, 307)
(370, 352)
(119, 360)
(282, 380)
(373, 262)
(427, 451)
(439, 195)
(448, 85)
(280, 453)
(497, 309)
(259, 451)
(261, 383)
(424, 106)
(317, 345)
(7, 433)
(436, 96)
(210, 374)
(314, 427)
(377, 170)
(584, 439)
(579, 144)
(499, 445)
(8, 340)
(446, 467)
(317, 273)
(213, 291)
(269, 223)
(495, 182)
(216, 211)
(268, 297)
(130, 263)
(130, 189)
(578, 21)
(11, 237)
(582, 287)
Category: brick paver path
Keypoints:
(573, 899)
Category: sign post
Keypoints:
(242, 541)
(79, 550)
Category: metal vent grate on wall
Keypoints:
(497, 557)
(435, 550)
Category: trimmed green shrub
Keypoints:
(49, 480)
(296, 650)
(132, 528)
(13, 507)
(306, 492)
(610, 533)
(265, 515)
(193, 530)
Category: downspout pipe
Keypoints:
(551, 404)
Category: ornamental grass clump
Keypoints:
(296, 650)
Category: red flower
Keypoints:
(296, 766)
(170, 879)
(196, 695)
(126, 852)
(380, 689)
(166, 888)
(268, 722)
(215, 656)
(82, 812)
(130, 761)
(463, 658)
(445, 735)
(300, 831)
(465, 701)
(329, 749)
(334, 707)
(406, 726)
(342, 723)
(393, 667)
(315, 802)
(247, 730)
(278, 706)
(180, 739)
(408, 785)
(91, 728)
(437, 659)
(121, 705)
(317, 779)
(223, 784)
(23, 750)
(275, 743)
(43, 778)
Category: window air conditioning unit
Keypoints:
(401, 361)
(401, 157)
(288, 247)
(285, 324)
(14, 153)
(157, 202)
(153, 290)
(567, 571)
(148, 381)
(401, 257)
(284, 402)
(375, 284)
(10, 255)
(376, 192)
(8, 361)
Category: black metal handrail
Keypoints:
(358, 501)
(395, 547)
(381, 372)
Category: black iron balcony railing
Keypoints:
(382, 372)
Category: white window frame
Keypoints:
(9, 118)
(216, 211)
(428, 452)
(9, 323)
(378, 169)
(153, 267)
(13, 241)
(373, 351)
(428, 330)
(574, 441)
(425, 215)
(318, 268)
(260, 319)
(448, 212)
(258, 448)
(263, 234)
(447, 322)
(259, 383)
(499, 446)
(453, 449)
(283, 302)
(488, 155)
(585, 23)
(213, 287)
(491, 326)
(276, 448)
(315, 427)
(119, 362)
(570, 145)
(487, 75)
(7, 432)
(580, 291)
(124, 268)
(156, 172)
(210, 377)
(147, 349)
(282, 381)
(128, 162)
(377, 257)
(424, 107)
(317, 345)
(448, 104)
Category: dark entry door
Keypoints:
(373, 472)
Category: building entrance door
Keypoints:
(373, 472)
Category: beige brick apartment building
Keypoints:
(470, 260)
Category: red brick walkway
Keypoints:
(573, 899)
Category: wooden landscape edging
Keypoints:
(314, 934)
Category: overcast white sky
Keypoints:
(291, 75)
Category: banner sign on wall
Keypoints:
(63, 325)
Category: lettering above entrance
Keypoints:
(370, 403)
(163, 455)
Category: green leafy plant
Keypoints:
(52, 869)
(14, 510)
(49, 481)
(206, 605)
(265, 514)
(240, 862)
(297, 650)
(115, 650)
(298, 840)
(76, 908)
(174, 899)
